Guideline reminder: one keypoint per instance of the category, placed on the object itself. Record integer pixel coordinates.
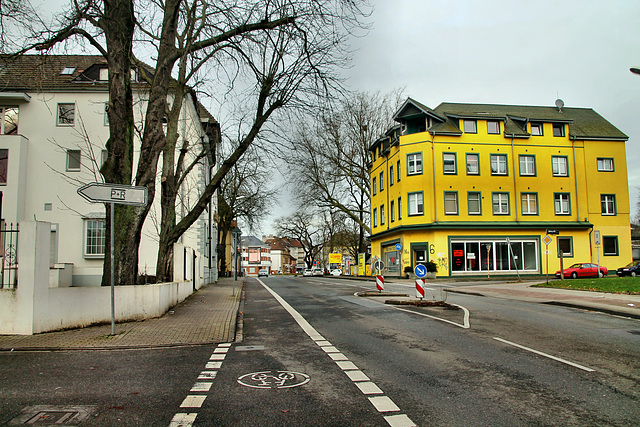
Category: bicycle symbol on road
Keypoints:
(273, 379)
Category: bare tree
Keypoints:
(302, 225)
(287, 50)
(332, 157)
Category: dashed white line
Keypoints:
(357, 376)
(400, 420)
(368, 387)
(182, 420)
(193, 401)
(201, 387)
(218, 356)
(566, 362)
(384, 404)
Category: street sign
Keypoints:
(547, 240)
(398, 246)
(596, 237)
(420, 270)
(553, 232)
(378, 265)
(114, 193)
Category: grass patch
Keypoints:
(618, 285)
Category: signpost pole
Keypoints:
(113, 310)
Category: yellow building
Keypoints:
(477, 188)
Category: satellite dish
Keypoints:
(559, 104)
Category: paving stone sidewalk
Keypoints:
(208, 316)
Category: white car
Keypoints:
(263, 272)
(336, 272)
(318, 272)
(307, 272)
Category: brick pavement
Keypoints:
(208, 316)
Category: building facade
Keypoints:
(54, 130)
(478, 188)
(256, 255)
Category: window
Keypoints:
(104, 74)
(382, 181)
(565, 244)
(470, 126)
(375, 217)
(559, 166)
(416, 204)
(610, 245)
(414, 163)
(529, 203)
(473, 164)
(94, 238)
(450, 203)
(562, 204)
(558, 129)
(392, 211)
(536, 128)
(449, 163)
(605, 165)
(73, 160)
(67, 71)
(501, 203)
(390, 175)
(374, 186)
(4, 165)
(9, 118)
(474, 202)
(399, 208)
(493, 127)
(608, 204)
(382, 215)
(66, 114)
(498, 164)
(527, 165)
(398, 170)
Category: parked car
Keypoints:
(632, 269)
(583, 269)
(263, 272)
(307, 272)
(318, 272)
(336, 272)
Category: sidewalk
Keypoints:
(208, 316)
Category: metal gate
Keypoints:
(9, 255)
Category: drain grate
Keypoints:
(44, 415)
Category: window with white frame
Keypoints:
(529, 203)
(375, 217)
(500, 203)
(66, 114)
(608, 204)
(470, 126)
(527, 165)
(73, 160)
(605, 164)
(382, 215)
(493, 127)
(473, 164)
(558, 129)
(416, 203)
(392, 211)
(382, 181)
(450, 203)
(562, 204)
(94, 238)
(391, 177)
(610, 245)
(536, 128)
(449, 163)
(565, 244)
(374, 186)
(559, 166)
(474, 203)
(399, 208)
(9, 120)
(498, 164)
(414, 163)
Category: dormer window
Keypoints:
(536, 128)
(104, 74)
(67, 71)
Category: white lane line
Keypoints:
(193, 401)
(183, 420)
(346, 366)
(384, 404)
(201, 387)
(323, 343)
(557, 359)
(218, 356)
(207, 375)
(337, 356)
(226, 344)
(357, 376)
(221, 350)
(399, 421)
(214, 365)
(465, 325)
(330, 349)
(368, 387)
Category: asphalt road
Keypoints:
(315, 354)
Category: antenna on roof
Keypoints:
(559, 104)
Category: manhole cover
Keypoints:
(43, 415)
(273, 379)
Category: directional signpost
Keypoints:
(420, 270)
(96, 192)
(546, 240)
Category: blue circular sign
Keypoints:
(398, 246)
(420, 270)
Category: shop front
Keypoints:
(500, 255)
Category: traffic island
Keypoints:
(380, 294)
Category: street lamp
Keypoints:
(235, 235)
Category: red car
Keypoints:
(583, 269)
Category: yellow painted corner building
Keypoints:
(477, 188)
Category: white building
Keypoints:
(53, 130)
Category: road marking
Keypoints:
(193, 401)
(221, 350)
(218, 356)
(214, 365)
(384, 404)
(566, 362)
(201, 387)
(465, 325)
(366, 386)
(207, 375)
(399, 421)
(183, 420)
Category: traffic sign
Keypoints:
(398, 246)
(114, 193)
(553, 232)
(547, 240)
(378, 265)
(420, 270)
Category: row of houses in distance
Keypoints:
(279, 255)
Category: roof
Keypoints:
(251, 241)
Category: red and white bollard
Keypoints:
(419, 288)
(380, 282)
